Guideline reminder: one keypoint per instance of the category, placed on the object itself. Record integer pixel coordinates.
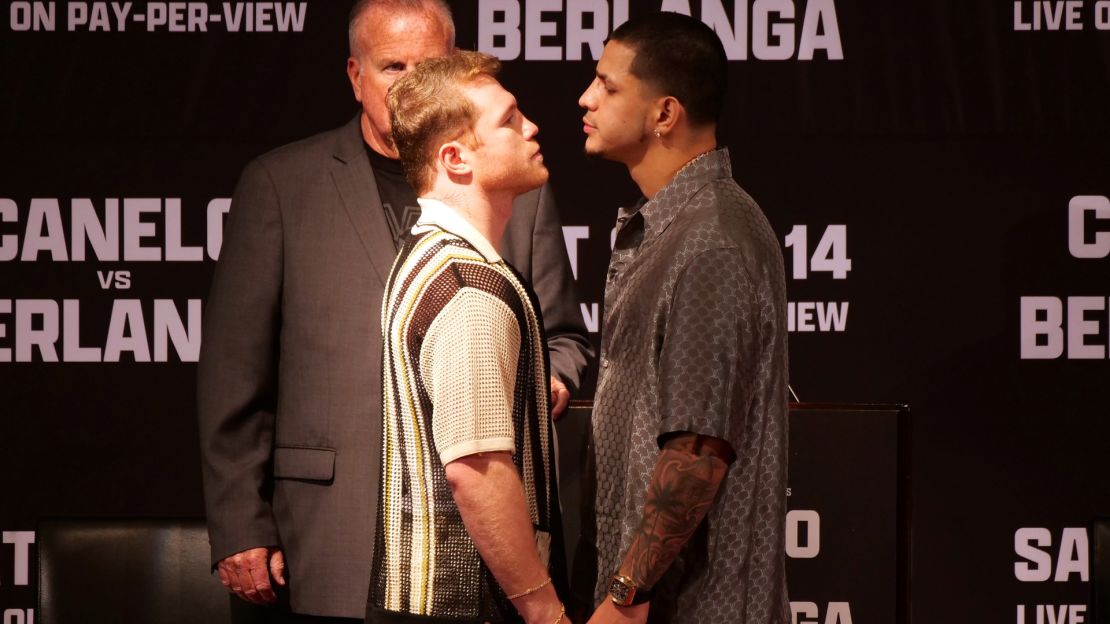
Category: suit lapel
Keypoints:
(354, 180)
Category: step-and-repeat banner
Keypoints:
(938, 173)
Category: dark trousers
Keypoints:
(294, 618)
(246, 613)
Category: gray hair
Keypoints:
(437, 8)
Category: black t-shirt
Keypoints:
(398, 198)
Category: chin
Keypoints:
(594, 151)
(534, 183)
(521, 182)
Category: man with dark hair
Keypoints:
(690, 414)
(468, 518)
(289, 382)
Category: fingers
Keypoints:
(277, 566)
(246, 575)
(230, 577)
(559, 401)
(259, 575)
(560, 397)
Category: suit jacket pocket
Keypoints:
(309, 464)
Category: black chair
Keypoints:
(127, 570)
(1100, 571)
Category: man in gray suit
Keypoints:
(289, 383)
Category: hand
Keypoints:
(545, 614)
(609, 613)
(560, 397)
(247, 574)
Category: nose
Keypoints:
(586, 100)
(530, 129)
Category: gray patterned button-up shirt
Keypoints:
(694, 340)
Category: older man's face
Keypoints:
(391, 44)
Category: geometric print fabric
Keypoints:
(464, 371)
(694, 339)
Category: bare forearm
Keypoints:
(682, 489)
(490, 497)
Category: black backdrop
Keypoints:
(946, 140)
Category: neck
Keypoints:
(666, 155)
(378, 143)
(486, 213)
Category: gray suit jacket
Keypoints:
(289, 381)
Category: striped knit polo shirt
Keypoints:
(464, 372)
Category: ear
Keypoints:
(668, 111)
(453, 159)
(354, 69)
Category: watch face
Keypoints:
(620, 592)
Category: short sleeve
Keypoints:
(468, 361)
(705, 362)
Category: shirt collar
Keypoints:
(434, 213)
(660, 210)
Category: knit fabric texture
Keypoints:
(464, 372)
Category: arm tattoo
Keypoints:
(682, 489)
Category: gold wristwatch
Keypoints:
(624, 592)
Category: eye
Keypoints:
(395, 67)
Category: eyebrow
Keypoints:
(607, 79)
(509, 110)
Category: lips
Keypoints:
(587, 127)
